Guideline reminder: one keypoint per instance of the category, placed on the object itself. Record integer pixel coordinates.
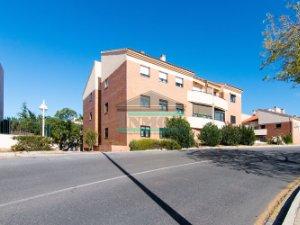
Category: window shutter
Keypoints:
(179, 80)
(163, 75)
(144, 70)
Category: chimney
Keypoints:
(163, 57)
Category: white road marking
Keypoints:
(95, 182)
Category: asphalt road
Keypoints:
(226, 187)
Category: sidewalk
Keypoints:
(6, 155)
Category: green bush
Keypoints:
(210, 135)
(247, 135)
(32, 143)
(169, 144)
(231, 135)
(90, 138)
(288, 139)
(179, 129)
(145, 144)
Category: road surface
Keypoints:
(225, 187)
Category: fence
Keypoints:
(8, 126)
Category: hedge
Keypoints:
(231, 135)
(145, 144)
(247, 135)
(32, 143)
(210, 135)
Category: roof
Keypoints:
(151, 59)
(279, 114)
(231, 86)
(250, 119)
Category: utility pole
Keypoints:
(43, 107)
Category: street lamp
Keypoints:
(43, 107)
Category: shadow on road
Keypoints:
(282, 165)
(168, 209)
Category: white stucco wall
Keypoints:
(92, 82)
(269, 117)
(296, 131)
(6, 141)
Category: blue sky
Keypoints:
(47, 47)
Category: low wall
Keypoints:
(6, 141)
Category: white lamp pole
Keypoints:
(43, 107)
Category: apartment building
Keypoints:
(1, 92)
(129, 94)
(268, 123)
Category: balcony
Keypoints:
(199, 122)
(207, 99)
(260, 132)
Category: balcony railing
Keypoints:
(199, 122)
(207, 99)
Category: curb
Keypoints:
(263, 218)
(292, 213)
(9, 155)
(244, 147)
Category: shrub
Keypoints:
(90, 138)
(247, 135)
(231, 135)
(277, 140)
(210, 135)
(288, 139)
(169, 144)
(179, 129)
(32, 143)
(145, 144)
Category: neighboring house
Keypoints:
(1, 92)
(268, 123)
(129, 94)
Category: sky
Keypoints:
(47, 48)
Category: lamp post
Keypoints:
(43, 107)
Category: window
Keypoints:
(233, 119)
(232, 98)
(91, 97)
(145, 71)
(202, 111)
(179, 81)
(262, 126)
(278, 125)
(163, 77)
(145, 131)
(162, 132)
(106, 133)
(106, 108)
(106, 83)
(145, 101)
(219, 115)
(179, 108)
(163, 105)
(91, 116)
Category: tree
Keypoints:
(63, 130)
(178, 129)
(66, 114)
(282, 45)
(210, 135)
(28, 121)
(90, 138)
